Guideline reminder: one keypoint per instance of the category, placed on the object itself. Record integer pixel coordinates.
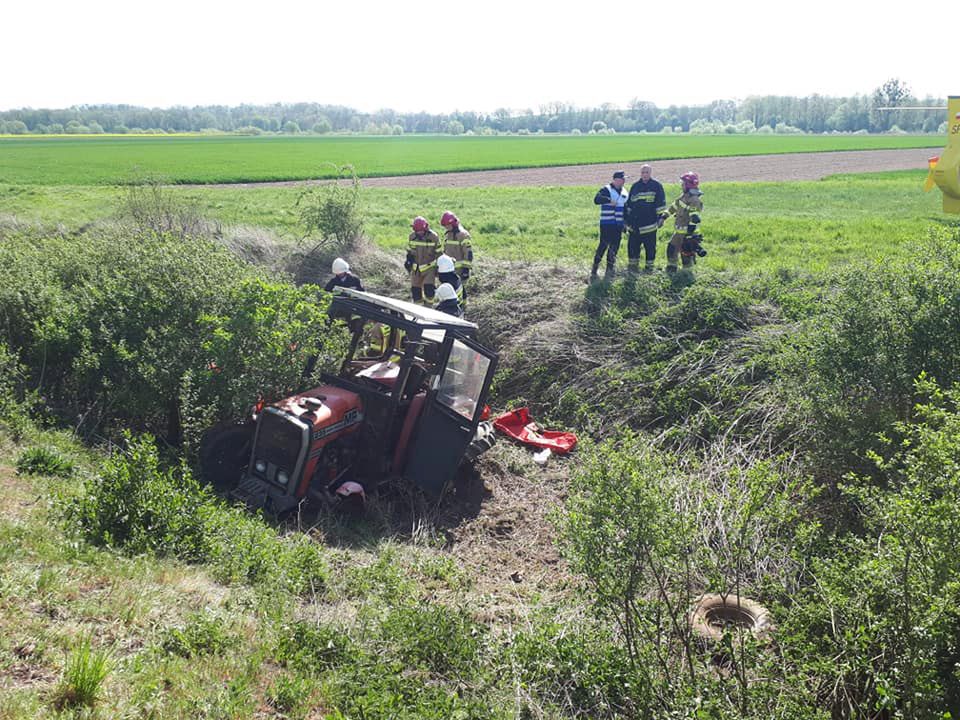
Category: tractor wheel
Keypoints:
(224, 453)
(713, 615)
(483, 440)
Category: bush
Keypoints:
(121, 333)
(137, 505)
(332, 209)
(153, 208)
(203, 634)
(443, 640)
(650, 531)
(877, 621)
(851, 375)
(44, 461)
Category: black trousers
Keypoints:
(647, 240)
(609, 244)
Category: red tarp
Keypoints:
(519, 425)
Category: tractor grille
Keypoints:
(279, 441)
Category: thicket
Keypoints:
(807, 459)
(152, 331)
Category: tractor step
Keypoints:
(257, 495)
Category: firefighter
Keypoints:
(686, 235)
(423, 247)
(644, 214)
(342, 277)
(457, 244)
(449, 303)
(611, 199)
(446, 273)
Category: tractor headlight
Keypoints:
(261, 466)
(282, 477)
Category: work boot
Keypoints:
(648, 267)
(593, 270)
(633, 266)
(610, 273)
(671, 269)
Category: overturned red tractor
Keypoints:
(406, 404)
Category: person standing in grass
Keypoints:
(686, 235)
(423, 247)
(643, 215)
(611, 200)
(458, 245)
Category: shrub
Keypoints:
(441, 639)
(650, 531)
(153, 208)
(851, 375)
(313, 648)
(332, 209)
(137, 505)
(44, 461)
(203, 634)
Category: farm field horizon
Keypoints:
(118, 160)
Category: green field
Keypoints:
(809, 225)
(190, 159)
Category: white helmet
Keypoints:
(446, 292)
(340, 266)
(445, 264)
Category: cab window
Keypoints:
(462, 381)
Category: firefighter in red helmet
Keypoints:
(686, 238)
(457, 243)
(423, 248)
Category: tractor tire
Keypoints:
(483, 440)
(713, 615)
(224, 454)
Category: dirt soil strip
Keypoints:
(755, 168)
(750, 168)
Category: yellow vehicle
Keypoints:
(945, 169)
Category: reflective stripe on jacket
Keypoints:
(457, 244)
(684, 207)
(425, 250)
(610, 214)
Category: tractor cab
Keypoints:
(406, 404)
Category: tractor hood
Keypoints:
(326, 409)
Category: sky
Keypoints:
(442, 56)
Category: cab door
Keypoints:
(450, 417)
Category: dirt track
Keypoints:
(755, 168)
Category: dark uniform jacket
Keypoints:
(451, 307)
(347, 280)
(646, 202)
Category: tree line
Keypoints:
(762, 113)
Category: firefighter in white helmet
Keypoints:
(446, 273)
(449, 303)
(342, 277)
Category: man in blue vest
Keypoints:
(611, 200)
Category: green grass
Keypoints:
(190, 159)
(809, 225)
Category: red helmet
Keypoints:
(449, 219)
(420, 224)
(690, 180)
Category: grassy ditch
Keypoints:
(780, 432)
